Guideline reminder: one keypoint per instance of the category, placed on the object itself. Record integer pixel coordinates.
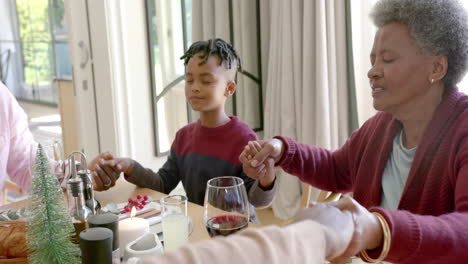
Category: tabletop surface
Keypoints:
(124, 190)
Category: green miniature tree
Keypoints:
(49, 227)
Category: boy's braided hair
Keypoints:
(210, 47)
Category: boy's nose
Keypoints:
(195, 89)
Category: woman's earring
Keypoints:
(432, 81)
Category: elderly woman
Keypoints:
(407, 166)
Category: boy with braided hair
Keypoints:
(207, 148)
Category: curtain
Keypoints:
(307, 86)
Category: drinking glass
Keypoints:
(175, 221)
(226, 207)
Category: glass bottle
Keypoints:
(77, 208)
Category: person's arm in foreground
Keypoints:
(302, 242)
(22, 145)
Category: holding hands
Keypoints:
(106, 170)
(349, 227)
(258, 159)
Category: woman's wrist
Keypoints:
(385, 241)
(278, 146)
(375, 234)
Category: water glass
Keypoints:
(175, 221)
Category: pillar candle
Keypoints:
(130, 229)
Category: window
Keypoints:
(34, 48)
(170, 34)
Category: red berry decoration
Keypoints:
(139, 203)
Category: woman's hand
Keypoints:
(368, 232)
(262, 149)
(338, 227)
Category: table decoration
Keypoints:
(49, 226)
(132, 228)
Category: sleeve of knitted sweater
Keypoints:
(319, 167)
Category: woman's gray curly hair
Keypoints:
(439, 27)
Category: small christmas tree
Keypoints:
(49, 225)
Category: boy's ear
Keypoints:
(230, 88)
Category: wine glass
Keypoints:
(226, 208)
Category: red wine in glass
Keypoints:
(224, 225)
(226, 207)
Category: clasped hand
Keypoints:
(106, 170)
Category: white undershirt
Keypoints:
(396, 173)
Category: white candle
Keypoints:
(130, 229)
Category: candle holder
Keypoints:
(144, 246)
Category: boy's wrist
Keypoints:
(266, 185)
(129, 166)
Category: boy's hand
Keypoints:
(256, 152)
(101, 180)
(265, 173)
(267, 176)
(96, 160)
(106, 171)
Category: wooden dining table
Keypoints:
(124, 190)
